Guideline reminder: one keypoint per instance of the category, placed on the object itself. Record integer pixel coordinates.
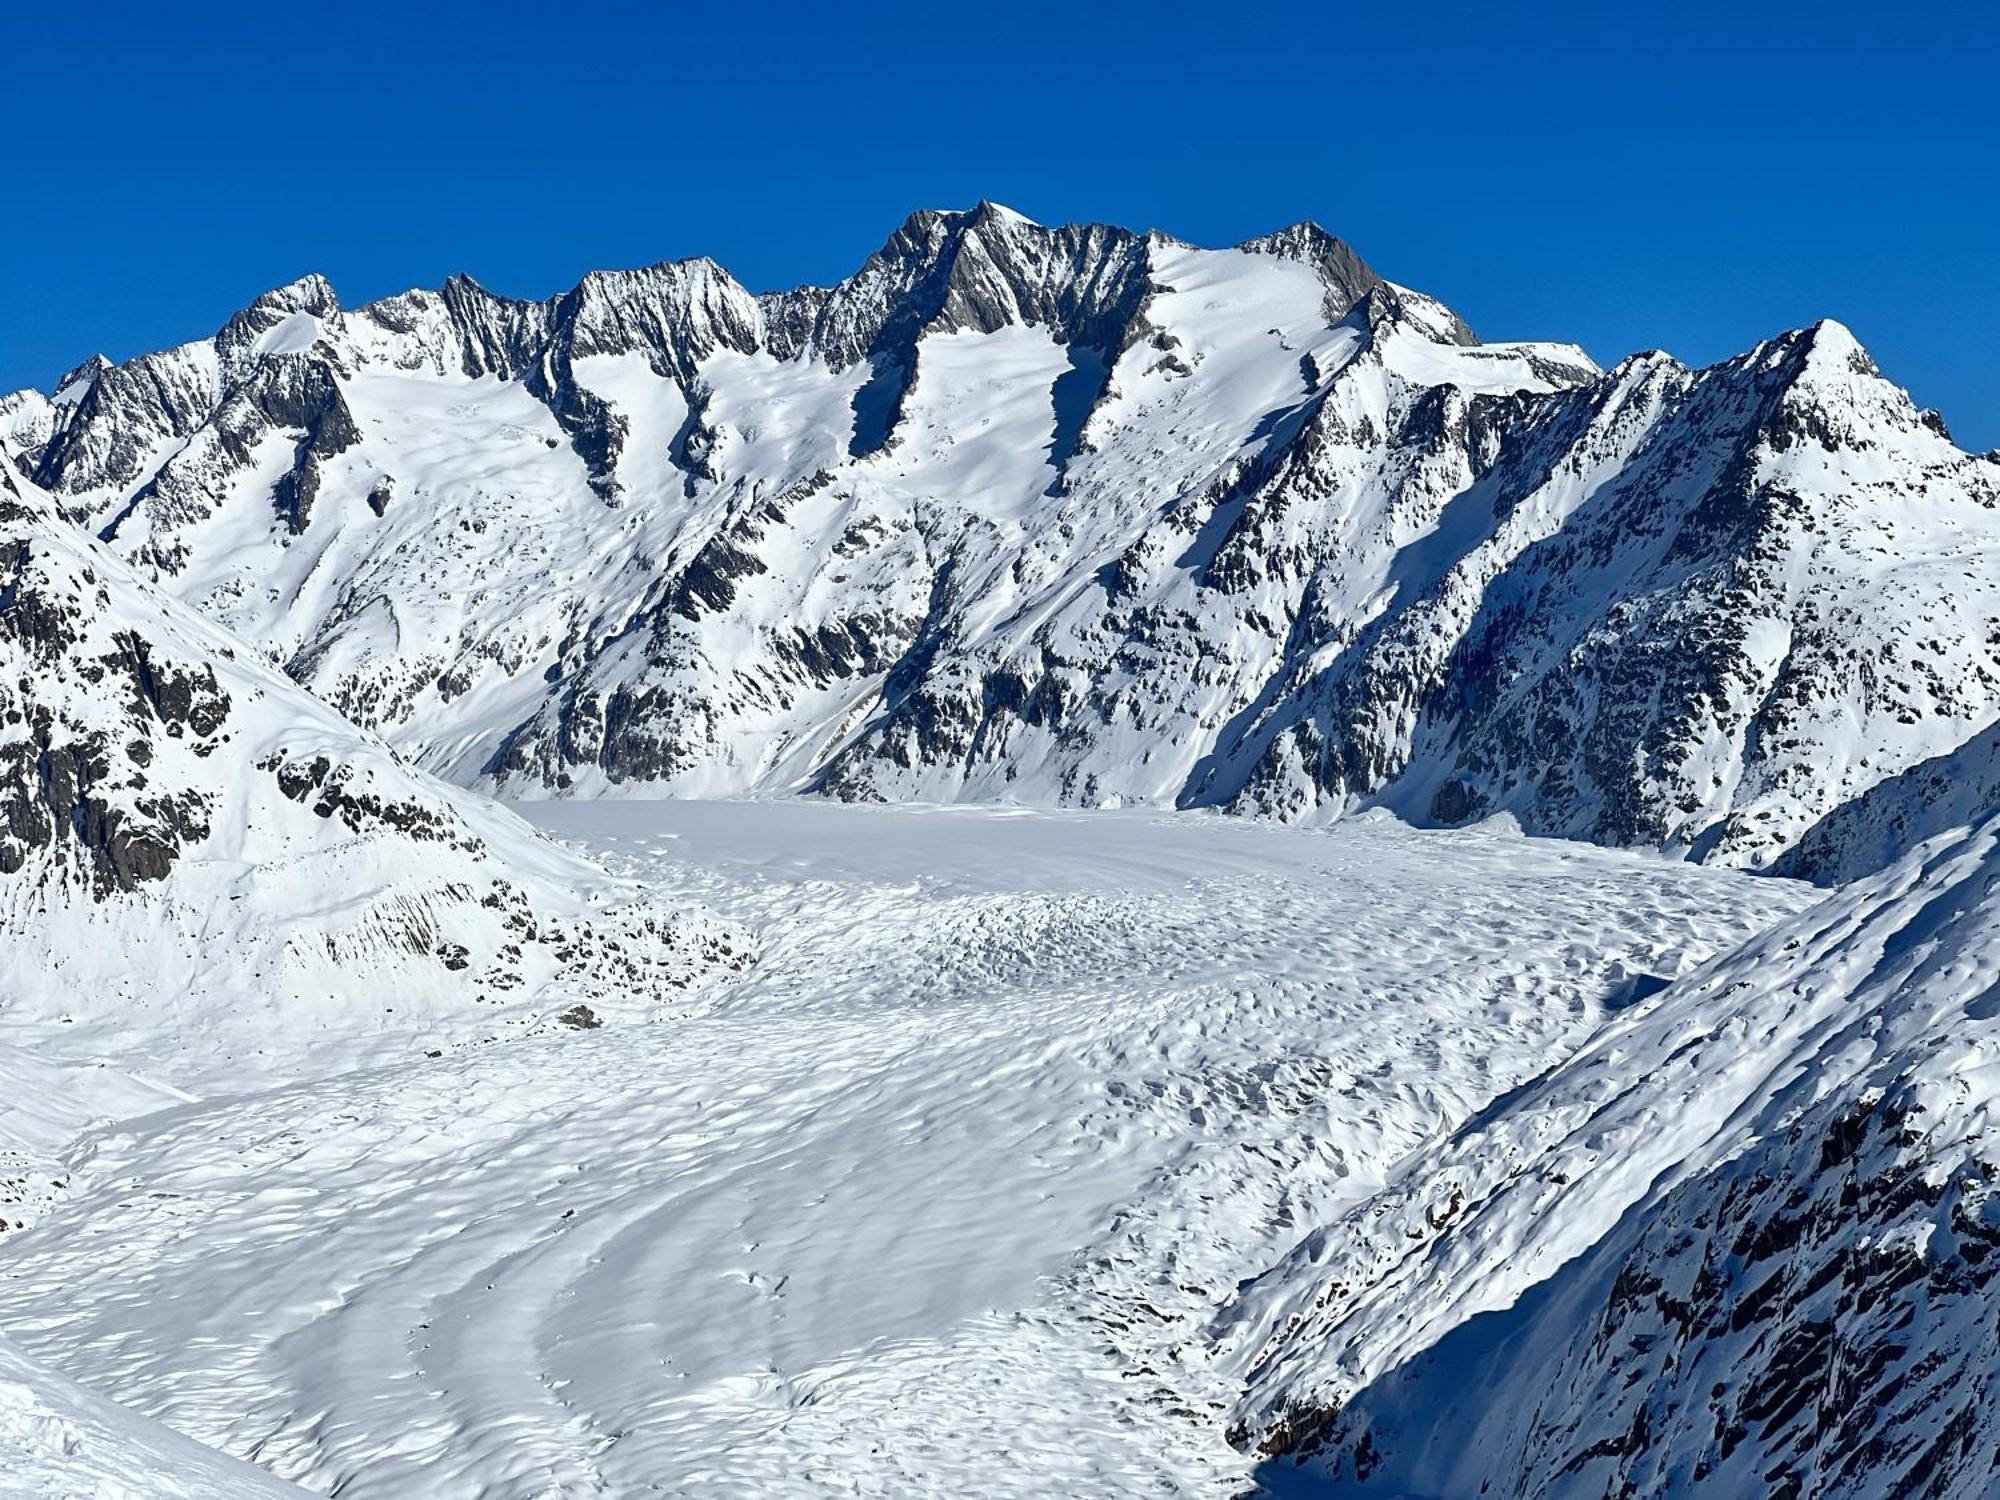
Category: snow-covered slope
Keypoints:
(1063, 515)
(1742, 1243)
(206, 871)
(938, 1202)
(1948, 791)
(59, 1441)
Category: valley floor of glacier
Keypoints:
(950, 1195)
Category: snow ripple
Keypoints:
(941, 1200)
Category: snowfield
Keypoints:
(58, 1439)
(943, 1198)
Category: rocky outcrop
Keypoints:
(78, 795)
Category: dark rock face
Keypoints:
(979, 271)
(76, 788)
(310, 402)
(52, 799)
(1800, 1325)
(123, 414)
(1349, 279)
(1806, 1324)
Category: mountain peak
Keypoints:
(84, 375)
(930, 229)
(1826, 347)
(1348, 277)
(311, 293)
(986, 211)
(1303, 232)
(284, 320)
(673, 268)
(1834, 342)
(1305, 240)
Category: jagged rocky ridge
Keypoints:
(1065, 515)
(250, 879)
(1742, 1243)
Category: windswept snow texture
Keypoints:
(59, 1441)
(940, 1201)
(1065, 516)
(1742, 1243)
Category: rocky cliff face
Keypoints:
(1064, 515)
(182, 826)
(1742, 1243)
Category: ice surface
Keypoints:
(939, 1201)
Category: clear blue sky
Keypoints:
(1691, 177)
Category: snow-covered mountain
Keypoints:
(1126, 1153)
(208, 874)
(1064, 515)
(1741, 1243)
